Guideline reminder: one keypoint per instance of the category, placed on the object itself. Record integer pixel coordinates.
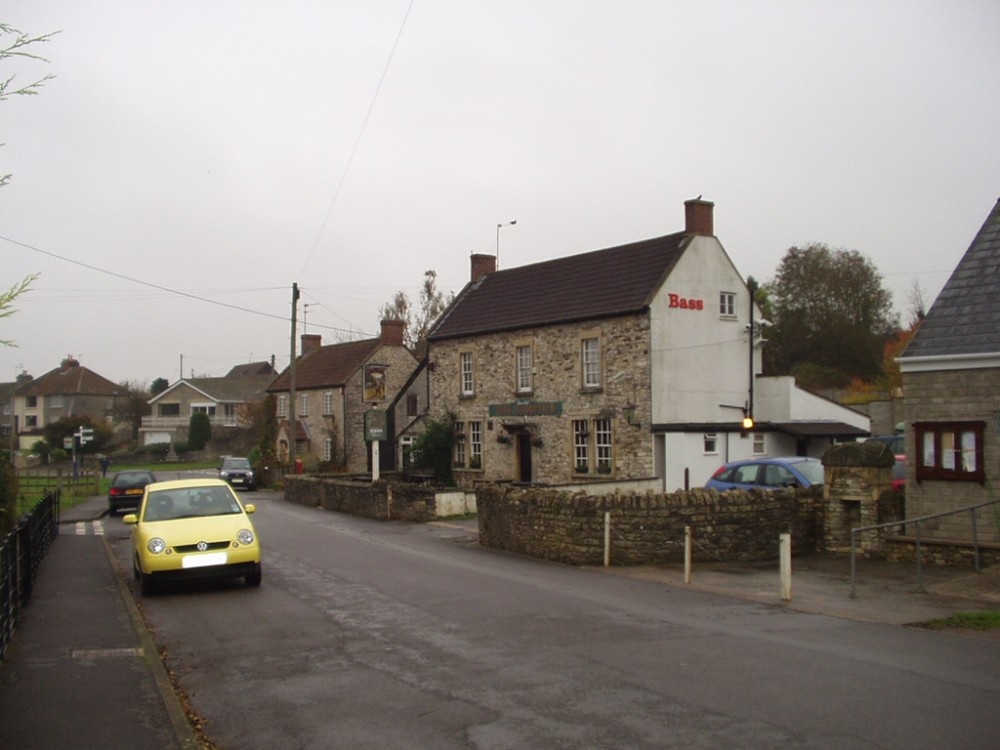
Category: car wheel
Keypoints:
(112, 512)
(254, 578)
(146, 585)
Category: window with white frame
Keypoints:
(602, 444)
(282, 405)
(467, 374)
(581, 446)
(475, 444)
(459, 444)
(328, 403)
(304, 405)
(758, 444)
(727, 304)
(208, 409)
(328, 449)
(524, 364)
(56, 402)
(31, 420)
(406, 451)
(711, 442)
(590, 354)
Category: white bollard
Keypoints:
(687, 554)
(785, 552)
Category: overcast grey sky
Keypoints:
(224, 149)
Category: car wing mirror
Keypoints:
(250, 508)
(130, 518)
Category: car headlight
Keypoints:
(223, 474)
(156, 545)
(245, 536)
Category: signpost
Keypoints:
(376, 427)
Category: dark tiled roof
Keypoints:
(598, 284)
(251, 369)
(965, 318)
(821, 429)
(327, 366)
(73, 379)
(233, 390)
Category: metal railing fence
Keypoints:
(970, 509)
(21, 553)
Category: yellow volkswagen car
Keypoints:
(193, 528)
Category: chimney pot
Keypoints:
(483, 265)
(698, 217)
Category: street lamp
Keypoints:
(505, 224)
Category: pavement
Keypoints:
(83, 669)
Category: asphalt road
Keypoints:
(386, 635)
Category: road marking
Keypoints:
(96, 526)
(89, 654)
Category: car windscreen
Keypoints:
(235, 463)
(192, 502)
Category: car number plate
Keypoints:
(237, 480)
(204, 561)
(137, 491)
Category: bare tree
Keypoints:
(918, 306)
(418, 322)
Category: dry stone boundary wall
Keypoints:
(647, 528)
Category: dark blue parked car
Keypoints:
(767, 474)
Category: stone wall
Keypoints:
(382, 501)
(647, 528)
(857, 493)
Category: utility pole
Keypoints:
(292, 431)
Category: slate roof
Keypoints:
(965, 318)
(599, 284)
(231, 390)
(69, 379)
(820, 429)
(328, 366)
(251, 369)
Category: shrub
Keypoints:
(199, 431)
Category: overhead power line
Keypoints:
(160, 287)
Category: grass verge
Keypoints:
(988, 619)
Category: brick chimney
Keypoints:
(698, 217)
(482, 265)
(392, 332)
(311, 342)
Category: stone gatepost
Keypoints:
(857, 492)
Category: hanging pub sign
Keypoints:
(374, 385)
(376, 426)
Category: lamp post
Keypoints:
(505, 224)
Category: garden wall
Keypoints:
(647, 528)
(382, 501)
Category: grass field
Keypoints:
(33, 484)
